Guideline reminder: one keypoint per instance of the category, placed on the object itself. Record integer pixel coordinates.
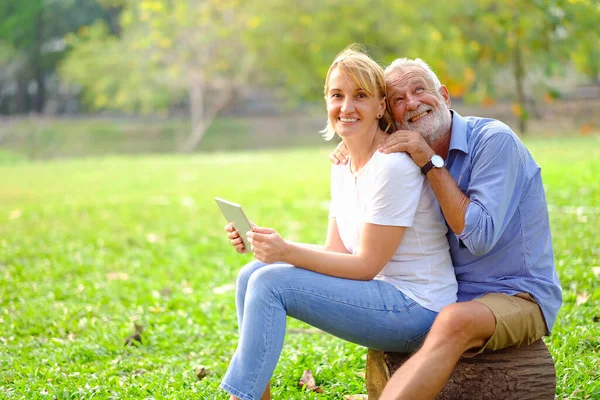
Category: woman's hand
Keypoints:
(268, 246)
(236, 240)
(340, 154)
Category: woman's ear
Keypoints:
(382, 106)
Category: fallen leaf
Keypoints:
(356, 397)
(582, 298)
(308, 381)
(187, 201)
(201, 372)
(114, 276)
(136, 337)
(152, 238)
(224, 288)
(361, 375)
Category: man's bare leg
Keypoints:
(265, 396)
(457, 328)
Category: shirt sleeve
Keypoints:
(495, 188)
(334, 189)
(398, 184)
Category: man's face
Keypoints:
(416, 104)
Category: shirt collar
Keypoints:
(458, 138)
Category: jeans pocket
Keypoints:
(415, 343)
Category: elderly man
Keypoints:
(490, 191)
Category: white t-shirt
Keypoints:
(391, 190)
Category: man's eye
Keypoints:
(398, 100)
(419, 90)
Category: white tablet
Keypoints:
(233, 213)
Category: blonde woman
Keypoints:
(384, 272)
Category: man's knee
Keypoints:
(467, 324)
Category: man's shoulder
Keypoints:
(487, 126)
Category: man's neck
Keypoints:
(442, 145)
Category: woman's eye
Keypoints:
(336, 95)
(362, 95)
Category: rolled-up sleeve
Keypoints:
(496, 185)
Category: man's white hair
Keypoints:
(402, 63)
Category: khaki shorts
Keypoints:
(519, 321)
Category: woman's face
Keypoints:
(351, 110)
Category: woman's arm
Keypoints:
(378, 244)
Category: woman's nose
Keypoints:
(348, 105)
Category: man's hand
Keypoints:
(340, 154)
(236, 240)
(268, 246)
(410, 142)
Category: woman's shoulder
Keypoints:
(397, 162)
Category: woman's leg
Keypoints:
(370, 313)
(241, 287)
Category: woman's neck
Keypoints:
(362, 148)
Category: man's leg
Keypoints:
(458, 327)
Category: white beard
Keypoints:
(431, 127)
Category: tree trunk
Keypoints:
(202, 113)
(513, 373)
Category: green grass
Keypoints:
(90, 246)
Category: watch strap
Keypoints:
(427, 167)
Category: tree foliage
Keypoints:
(148, 56)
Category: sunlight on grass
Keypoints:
(88, 247)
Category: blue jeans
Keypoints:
(372, 313)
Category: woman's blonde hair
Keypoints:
(367, 75)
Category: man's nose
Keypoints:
(411, 103)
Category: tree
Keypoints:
(166, 48)
(34, 30)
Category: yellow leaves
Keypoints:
(165, 43)
(516, 109)
(435, 35)
(469, 75)
(474, 45)
(254, 22)
(100, 101)
(305, 20)
(83, 31)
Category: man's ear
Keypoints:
(445, 95)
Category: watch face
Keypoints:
(437, 161)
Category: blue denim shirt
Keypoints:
(506, 245)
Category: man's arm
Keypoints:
(452, 200)
(479, 217)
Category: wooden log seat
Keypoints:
(513, 373)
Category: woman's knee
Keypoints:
(246, 272)
(270, 278)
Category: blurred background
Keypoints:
(94, 77)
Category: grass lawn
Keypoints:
(89, 247)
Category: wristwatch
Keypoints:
(435, 162)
